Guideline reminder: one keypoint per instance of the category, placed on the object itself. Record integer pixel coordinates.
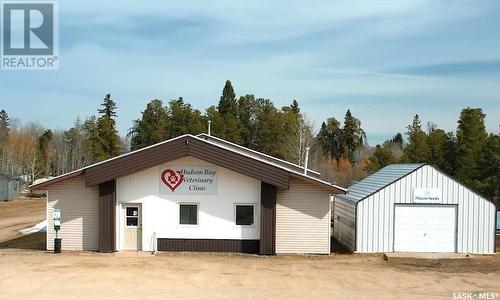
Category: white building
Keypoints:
(192, 193)
(413, 208)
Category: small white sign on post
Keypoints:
(57, 218)
(188, 180)
(426, 195)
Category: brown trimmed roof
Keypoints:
(256, 154)
(236, 158)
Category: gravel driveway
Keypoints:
(27, 273)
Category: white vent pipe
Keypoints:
(306, 161)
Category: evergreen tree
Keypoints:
(151, 128)
(489, 164)
(108, 142)
(108, 109)
(353, 137)
(295, 107)
(269, 131)
(4, 127)
(42, 154)
(329, 137)
(395, 145)
(183, 119)
(227, 104)
(380, 158)
(417, 149)
(177, 118)
(4, 134)
(396, 140)
(450, 155)
(217, 122)
(227, 126)
(293, 110)
(247, 118)
(437, 142)
(471, 138)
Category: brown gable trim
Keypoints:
(183, 146)
(136, 161)
(274, 160)
(179, 148)
(52, 181)
(238, 163)
(322, 184)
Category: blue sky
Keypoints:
(384, 60)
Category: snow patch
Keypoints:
(40, 227)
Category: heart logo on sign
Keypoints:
(172, 179)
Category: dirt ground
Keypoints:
(20, 214)
(35, 274)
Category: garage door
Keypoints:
(420, 228)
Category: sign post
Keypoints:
(57, 227)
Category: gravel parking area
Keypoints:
(27, 273)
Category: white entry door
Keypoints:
(132, 233)
(420, 228)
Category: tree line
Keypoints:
(248, 121)
(33, 152)
(470, 154)
(339, 150)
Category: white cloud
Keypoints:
(327, 76)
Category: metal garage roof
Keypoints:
(378, 181)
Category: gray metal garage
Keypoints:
(414, 208)
(9, 187)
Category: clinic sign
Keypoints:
(30, 35)
(188, 180)
(426, 195)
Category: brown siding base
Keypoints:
(208, 245)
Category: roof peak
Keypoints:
(97, 172)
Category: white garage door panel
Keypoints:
(424, 228)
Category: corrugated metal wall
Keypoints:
(14, 189)
(9, 188)
(303, 219)
(4, 188)
(476, 215)
(344, 222)
(80, 214)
